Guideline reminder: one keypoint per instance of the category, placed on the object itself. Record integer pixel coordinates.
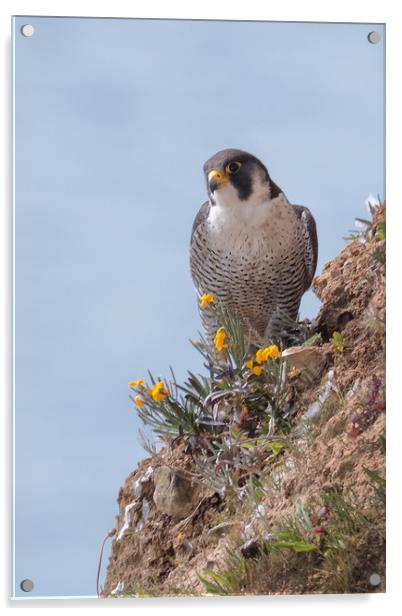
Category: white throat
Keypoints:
(229, 211)
(227, 196)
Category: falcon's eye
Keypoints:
(233, 167)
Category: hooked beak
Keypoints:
(217, 179)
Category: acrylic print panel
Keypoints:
(265, 474)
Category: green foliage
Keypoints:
(294, 542)
(366, 226)
(378, 483)
(362, 232)
(232, 418)
(337, 342)
(320, 541)
(295, 533)
(229, 580)
(314, 340)
(172, 416)
(380, 234)
(275, 447)
(228, 463)
(344, 548)
(138, 592)
(239, 346)
(346, 517)
(378, 254)
(381, 230)
(256, 490)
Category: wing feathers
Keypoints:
(311, 245)
(202, 215)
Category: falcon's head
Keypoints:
(235, 176)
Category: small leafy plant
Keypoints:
(235, 416)
(365, 226)
(229, 580)
(338, 343)
(318, 543)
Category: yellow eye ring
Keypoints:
(233, 167)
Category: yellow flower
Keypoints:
(139, 401)
(220, 339)
(136, 383)
(260, 356)
(269, 352)
(206, 299)
(159, 391)
(257, 370)
(273, 352)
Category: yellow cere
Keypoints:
(159, 391)
(206, 299)
(220, 339)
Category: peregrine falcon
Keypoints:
(250, 248)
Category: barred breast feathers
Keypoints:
(268, 230)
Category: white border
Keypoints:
(286, 10)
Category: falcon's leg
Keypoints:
(281, 326)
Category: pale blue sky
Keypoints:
(114, 120)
